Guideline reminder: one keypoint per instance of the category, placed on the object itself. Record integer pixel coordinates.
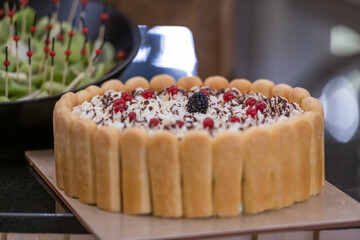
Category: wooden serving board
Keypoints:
(331, 208)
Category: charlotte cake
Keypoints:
(197, 149)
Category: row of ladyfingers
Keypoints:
(197, 175)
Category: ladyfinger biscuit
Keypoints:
(283, 141)
(196, 161)
(316, 163)
(112, 84)
(63, 106)
(164, 166)
(314, 105)
(59, 160)
(135, 177)
(83, 96)
(187, 83)
(94, 90)
(228, 166)
(159, 82)
(70, 96)
(243, 85)
(263, 86)
(82, 134)
(298, 94)
(216, 82)
(107, 162)
(67, 120)
(301, 163)
(136, 82)
(257, 184)
(282, 90)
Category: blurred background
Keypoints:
(313, 44)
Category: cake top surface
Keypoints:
(178, 111)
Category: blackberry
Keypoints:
(198, 102)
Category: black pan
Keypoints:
(28, 124)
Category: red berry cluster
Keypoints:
(205, 92)
(154, 122)
(48, 27)
(173, 90)
(132, 116)
(6, 63)
(33, 29)
(120, 104)
(24, 2)
(16, 38)
(11, 13)
(104, 16)
(208, 123)
(259, 106)
(85, 30)
(228, 96)
(179, 123)
(147, 94)
(121, 55)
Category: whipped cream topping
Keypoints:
(169, 109)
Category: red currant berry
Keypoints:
(132, 115)
(67, 52)
(56, 1)
(60, 37)
(85, 31)
(2, 12)
(208, 123)
(84, 2)
(52, 53)
(228, 96)
(48, 27)
(46, 49)
(250, 102)
(83, 51)
(16, 38)
(24, 2)
(29, 53)
(234, 119)
(33, 29)
(126, 96)
(154, 122)
(71, 34)
(11, 13)
(47, 41)
(119, 105)
(179, 123)
(172, 90)
(6, 62)
(251, 111)
(205, 92)
(98, 51)
(147, 94)
(260, 106)
(121, 55)
(104, 16)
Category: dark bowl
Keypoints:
(27, 124)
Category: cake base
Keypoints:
(329, 209)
